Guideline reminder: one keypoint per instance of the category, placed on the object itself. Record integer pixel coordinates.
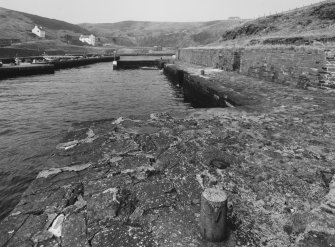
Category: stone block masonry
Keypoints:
(329, 77)
(304, 67)
(225, 59)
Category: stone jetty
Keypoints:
(26, 69)
(138, 180)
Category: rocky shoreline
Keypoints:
(137, 180)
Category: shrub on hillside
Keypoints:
(248, 30)
(325, 12)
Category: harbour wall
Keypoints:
(225, 59)
(136, 64)
(81, 62)
(304, 67)
(48, 68)
(14, 71)
(202, 91)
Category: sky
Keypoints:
(107, 11)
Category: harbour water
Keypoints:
(36, 111)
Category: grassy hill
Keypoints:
(168, 34)
(18, 25)
(60, 35)
(51, 45)
(301, 26)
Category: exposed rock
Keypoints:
(47, 173)
(67, 145)
(42, 236)
(123, 236)
(71, 144)
(56, 227)
(74, 231)
(90, 137)
(105, 205)
(52, 171)
(118, 121)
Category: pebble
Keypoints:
(196, 201)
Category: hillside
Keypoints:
(18, 25)
(301, 26)
(168, 34)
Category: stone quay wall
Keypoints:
(225, 59)
(303, 67)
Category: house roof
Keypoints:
(39, 27)
(86, 36)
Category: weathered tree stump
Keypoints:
(213, 215)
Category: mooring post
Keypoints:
(213, 215)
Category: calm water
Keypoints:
(36, 111)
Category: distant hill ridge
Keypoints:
(300, 26)
(18, 25)
(173, 34)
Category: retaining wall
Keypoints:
(25, 70)
(81, 62)
(301, 66)
(202, 91)
(175, 74)
(136, 64)
(225, 59)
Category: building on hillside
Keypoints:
(38, 30)
(234, 18)
(157, 48)
(89, 39)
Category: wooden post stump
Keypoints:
(213, 215)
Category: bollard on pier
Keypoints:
(213, 215)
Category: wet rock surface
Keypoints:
(137, 181)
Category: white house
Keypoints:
(89, 39)
(38, 30)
